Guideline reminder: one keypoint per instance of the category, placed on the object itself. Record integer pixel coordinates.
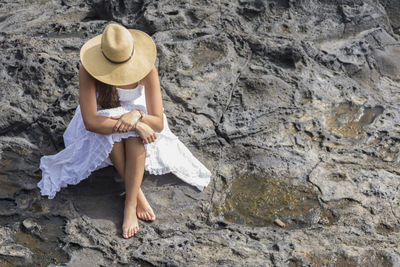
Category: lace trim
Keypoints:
(199, 176)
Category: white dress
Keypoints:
(87, 151)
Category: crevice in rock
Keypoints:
(308, 177)
(222, 134)
(394, 214)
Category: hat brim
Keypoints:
(135, 69)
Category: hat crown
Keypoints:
(117, 43)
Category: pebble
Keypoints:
(279, 223)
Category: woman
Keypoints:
(120, 121)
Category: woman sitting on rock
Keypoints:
(120, 121)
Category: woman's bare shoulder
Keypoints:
(151, 77)
(85, 79)
(83, 73)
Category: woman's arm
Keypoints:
(154, 117)
(88, 104)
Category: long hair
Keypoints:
(107, 95)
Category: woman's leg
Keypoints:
(135, 155)
(143, 208)
(117, 157)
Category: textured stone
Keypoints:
(299, 95)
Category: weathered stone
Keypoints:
(293, 105)
(10, 250)
(30, 225)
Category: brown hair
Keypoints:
(107, 95)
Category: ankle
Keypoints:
(131, 203)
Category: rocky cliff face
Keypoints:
(293, 105)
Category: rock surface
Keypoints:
(293, 106)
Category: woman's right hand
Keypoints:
(146, 132)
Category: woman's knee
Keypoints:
(133, 139)
(118, 144)
(117, 147)
(134, 146)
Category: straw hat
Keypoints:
(119, 56)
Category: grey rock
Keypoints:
(271, 96)
(9, 248)
(30, 225)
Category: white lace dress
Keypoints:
(87, 151)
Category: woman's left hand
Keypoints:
(126, 122)
(146, 132)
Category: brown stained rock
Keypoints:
(258, 200)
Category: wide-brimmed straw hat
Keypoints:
(119, 56)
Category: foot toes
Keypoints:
(145, 216)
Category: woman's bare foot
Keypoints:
(143, 209)
(130, 225)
